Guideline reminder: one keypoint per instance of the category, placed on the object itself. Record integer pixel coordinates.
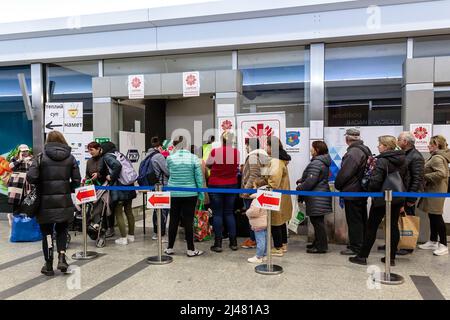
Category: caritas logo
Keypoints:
(191, 80)
(260, 131)
(136, 82)
(420, 133)
(227, 125)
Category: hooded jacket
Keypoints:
(436, 180)
(56, 177)
(315, 178)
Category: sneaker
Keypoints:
(284, 248)
(429, 245)
(169, 251)
(441, 250)
(122, 241)
(255, 259)
(194, 253)
(277, 252)
(154, 236)
(130, 238)
(248, 244)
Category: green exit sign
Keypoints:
(102, 140)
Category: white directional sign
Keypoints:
(158, 200)
(85, 194)
(268, 200)
(65, 117)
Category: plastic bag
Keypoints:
(298, 219)
(202, 228)
(25, 229)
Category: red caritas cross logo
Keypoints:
(227, 125)
(136, 82)
(191, 80)
(420, 133)
(260, 131)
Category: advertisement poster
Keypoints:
(422, 132)
(136, 86)
(191, 84)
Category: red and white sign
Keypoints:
(422, 132)
(85, 194)
(268, 200)
(191, 84)
(158, 200)
(136, 86)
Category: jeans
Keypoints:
(261, 243)
(61, 238)
(356, 215)
(320, 233)
(222, 205)
(182, 208)
(279, 235)
(164, 214)
(247, 204)
(437, 226)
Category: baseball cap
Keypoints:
(352, 132)
(24, 147)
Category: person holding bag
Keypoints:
(390, 172)
(56, 178)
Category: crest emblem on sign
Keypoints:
(292, 138)
(227, 125)
(420, 133)
(191, 80)
(136, 82)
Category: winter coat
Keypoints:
(415, 163)
(257, 217)
(17, 181)
(57, 177)
(185, 171)
(255, 161)
(353, 164)
(436, 180)
(159, 164)
(113, 168)
(388, 162)
(95, 165)
(279, 179)
(315, 178)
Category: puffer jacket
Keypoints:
(56, 177)
(436, 180)
(315, 178)
(353, 164)
(257, 217)
(416, 164)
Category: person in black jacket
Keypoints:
(389, 160)
(315, 178)
(56, 176)
(349, 179)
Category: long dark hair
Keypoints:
(281, 153)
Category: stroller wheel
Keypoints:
(100, 242)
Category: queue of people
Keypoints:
(56, 173)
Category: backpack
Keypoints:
(127, 175)
(368, 168)
(147, 175)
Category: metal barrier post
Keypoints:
(159, 259)
(144, 203)
(84, 255)
(387, 277)
(269, 268)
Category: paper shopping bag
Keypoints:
(409, 227)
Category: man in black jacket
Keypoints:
(415, 163)
(349, 180)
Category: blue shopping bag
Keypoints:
(25, 229)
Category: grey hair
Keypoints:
(352, 138)
(409, 137)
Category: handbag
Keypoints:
(31, 202)
(394, 182)
(202, 228)
(25, 229)
(409, 227)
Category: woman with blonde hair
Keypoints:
(390, 160)
(55, 171)
(436, 180)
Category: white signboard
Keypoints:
(85, 194)
(158, 200)
(136, 86)
(54, 117)
(227, 124)
(65, 117)
(422, 132)
(78, 142)
(191, 84)
(268, 200)
(225, 110)
(316, 129)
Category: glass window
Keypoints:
(442, 107)
(431, 46)
(168, 64)
(363, 83)
(72, 82)
(276, 79)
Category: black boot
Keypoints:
(217, 247)
(62, 263)
(233, 244)
(47, 269)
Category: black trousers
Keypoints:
(356, 215)
(47, 242)
(376, 216)
(182, 208)
(437, 226)
(279, 235)
(320, 232)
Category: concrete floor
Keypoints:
(122, 273)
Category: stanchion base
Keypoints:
(392, 279)
(264, 269)
(89, 255)
(155, 260)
